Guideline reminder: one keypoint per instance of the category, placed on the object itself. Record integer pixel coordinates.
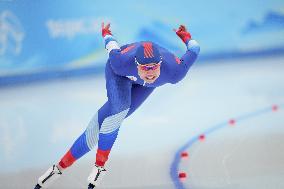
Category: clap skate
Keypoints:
(52, 174)
(96, 176)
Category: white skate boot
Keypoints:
(96, 176)
(52, 174)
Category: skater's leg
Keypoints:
(109, 130)
(106, 140)
(109, 117)
(81, 146)
(109, 134)
(84, 143)
(110, 126)
(119, 101)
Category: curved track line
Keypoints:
(174, 173)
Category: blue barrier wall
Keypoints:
(48, 39)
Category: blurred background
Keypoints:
(52, 60)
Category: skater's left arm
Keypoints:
(189, 57)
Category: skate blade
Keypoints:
(91, 186)
(37, 186)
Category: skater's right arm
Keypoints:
(116, 59)
(110, 42)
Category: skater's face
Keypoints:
(149, 72)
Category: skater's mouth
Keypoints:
(150, 77)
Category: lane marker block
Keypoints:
(184, 155)
(202, 137)
(182, 176)
(274, 108)
(232, 122)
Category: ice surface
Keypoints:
(38, 123)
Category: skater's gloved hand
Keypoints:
(183, 33)
(106, 30)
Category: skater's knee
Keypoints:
(116, 108)
(113, 122)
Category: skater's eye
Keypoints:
(150, 67)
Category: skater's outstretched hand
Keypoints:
(105, 29)
(183, 33)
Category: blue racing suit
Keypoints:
(126, 91)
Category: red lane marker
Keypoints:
(274, 108)
(184, 155)
(202, 137)
(182, 176)
(232, 122)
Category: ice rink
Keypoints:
(236, 106)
